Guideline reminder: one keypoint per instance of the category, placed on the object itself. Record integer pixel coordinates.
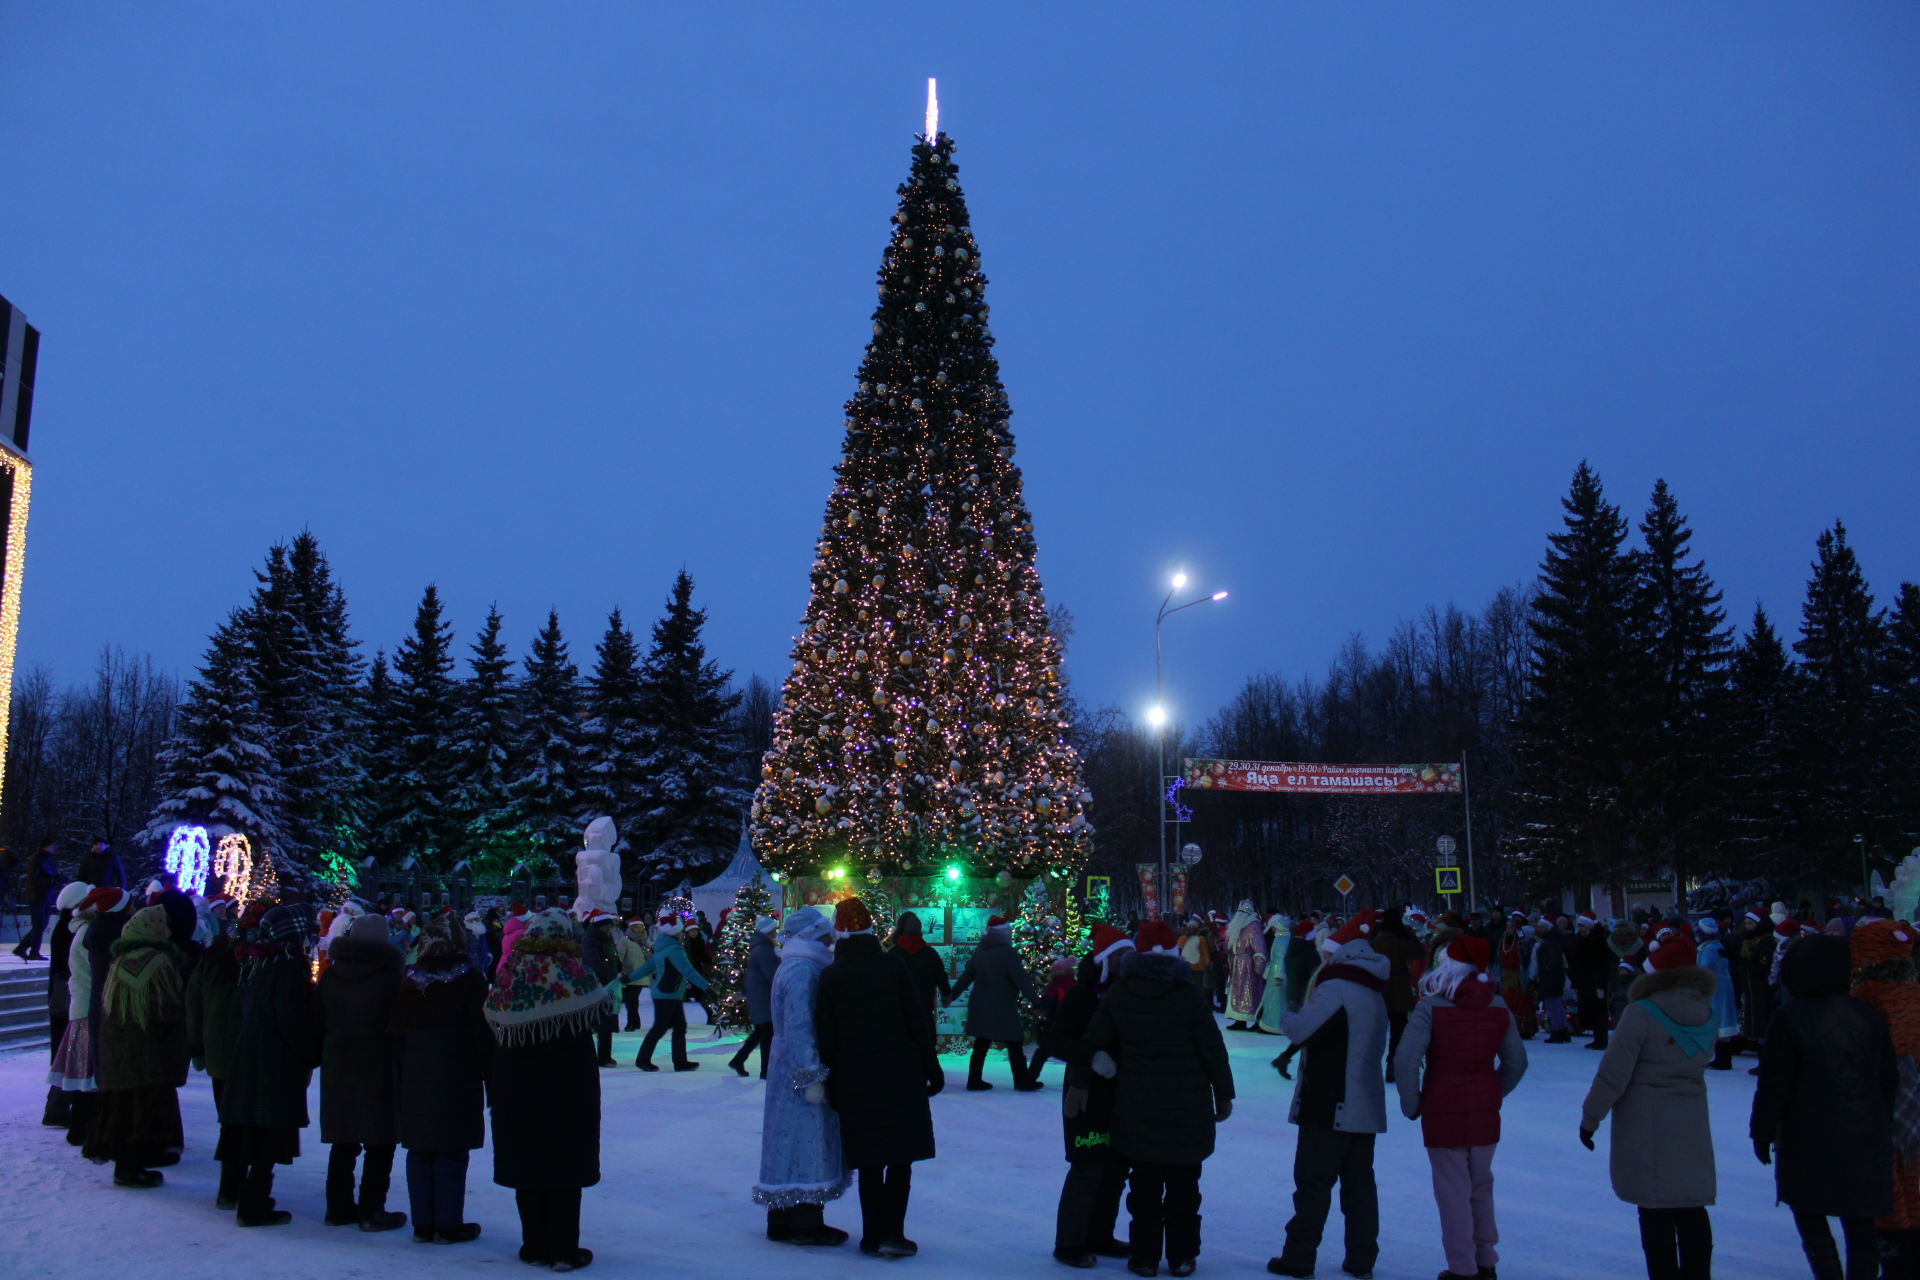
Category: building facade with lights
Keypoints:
(19, 361)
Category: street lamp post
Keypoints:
(1157, 717)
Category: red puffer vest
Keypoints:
(1460, 1092)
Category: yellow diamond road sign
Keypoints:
(1344, 885)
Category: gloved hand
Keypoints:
(1103, 1065)
(1073, 1102)
(1764, 1150)
(936, 1083)
(200, 1065)
(1586, 1138)
(1222, 1112)
(817, 1093)
(1411, 1112)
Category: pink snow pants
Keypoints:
(1463, 1189)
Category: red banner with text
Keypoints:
(1149, 890)
(1325, 779)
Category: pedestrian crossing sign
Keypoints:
(1446, 879)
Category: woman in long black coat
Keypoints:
(877, 1046)
(1825, 1104)
(1173, 1084)
(265, 1105)
(545, 1088)
(356, 1074)
(442, 1048)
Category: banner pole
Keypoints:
(1466, 798)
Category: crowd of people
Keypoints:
(430, 1030)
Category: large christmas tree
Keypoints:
(922, 726)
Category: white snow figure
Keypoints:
(597, 870)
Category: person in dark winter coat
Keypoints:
(881, 1069)
(1406, 958)
(1589, 963)
(441, 1053)
(1629, 952)
(999, 982)
(213, 1029)
(143, 1055)
(357, 1120)
(1302, 962)
(43, 886)
(1550, 980)
(1660, 1155)
(600, 949)
(1154, 1035)
(265, 1105)
(545, 1089)
(1465, 1039)
(1060, 980)
(1825, 1100)
(674, 975)
(101, 867)
(1090, 1197)
(1339, 1103)
(929, 972)
(762, 960)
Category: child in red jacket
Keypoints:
(1460, 1056)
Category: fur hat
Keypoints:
(809, 924)
(370, 929)
(1671, 952)
(1708, 927)
(1156, 936)
(1358, 929)
(72, 896)
(851, 917)
(1878, 941)
(764, 924)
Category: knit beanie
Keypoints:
(764, 924)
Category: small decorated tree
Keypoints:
(1037, 932)
(750, 902)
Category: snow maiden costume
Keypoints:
(1273, 1004)
(1246, 976)
(801, 1167)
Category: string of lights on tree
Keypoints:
(750, 901)
(921, 726)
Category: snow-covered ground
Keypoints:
(679, 1154)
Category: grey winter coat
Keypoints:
(1660, 1153)
(762, 961)
(1343, 1029)
(1000, 982)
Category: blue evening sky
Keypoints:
(541, 302)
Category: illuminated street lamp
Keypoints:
(1157, 715)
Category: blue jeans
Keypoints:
(436, 1188)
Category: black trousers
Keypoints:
(630, 996)
(1678, 1243)
(1863, 1247)
(1089, 1204)
(761, 1039)
(1016, 1058)
(233, 1173)
(668, 1015)
(884, 1190)
(376, 1175)
(1164, 1201)
(1322, 1157)
(30, 946)
(437, 1188)
(1592, 1003)
(1396, 1027)
(256, 1190)
(549, 1223)
(604, 1037)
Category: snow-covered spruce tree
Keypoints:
(1680, 641)
(217, 770)
(689, 824)
(1763, 796)
(922, 722)
(482, 751)
(750, 901)
(423, 710)
(1569, 754)
(1899, 683)
(544, 789)
(612, 736)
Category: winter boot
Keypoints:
(1823, 1256)
(779, 1224)
(58, 1109)
(739, 1066)
(1722, 1056)
(1070, 1258)
(810, 1228)
(459, 1233)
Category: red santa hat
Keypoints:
(1786, 927)
(851, 917)
(105, 900)
(1156, 937)
(1108, 943)
(1357, 929)
(670, 923)
(1471, 951)
(1302, 928)
(1586, 920)
(1671, 952)
(998, 922)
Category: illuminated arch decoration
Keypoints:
(233, 863)
(16, 486)
(187, 858)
